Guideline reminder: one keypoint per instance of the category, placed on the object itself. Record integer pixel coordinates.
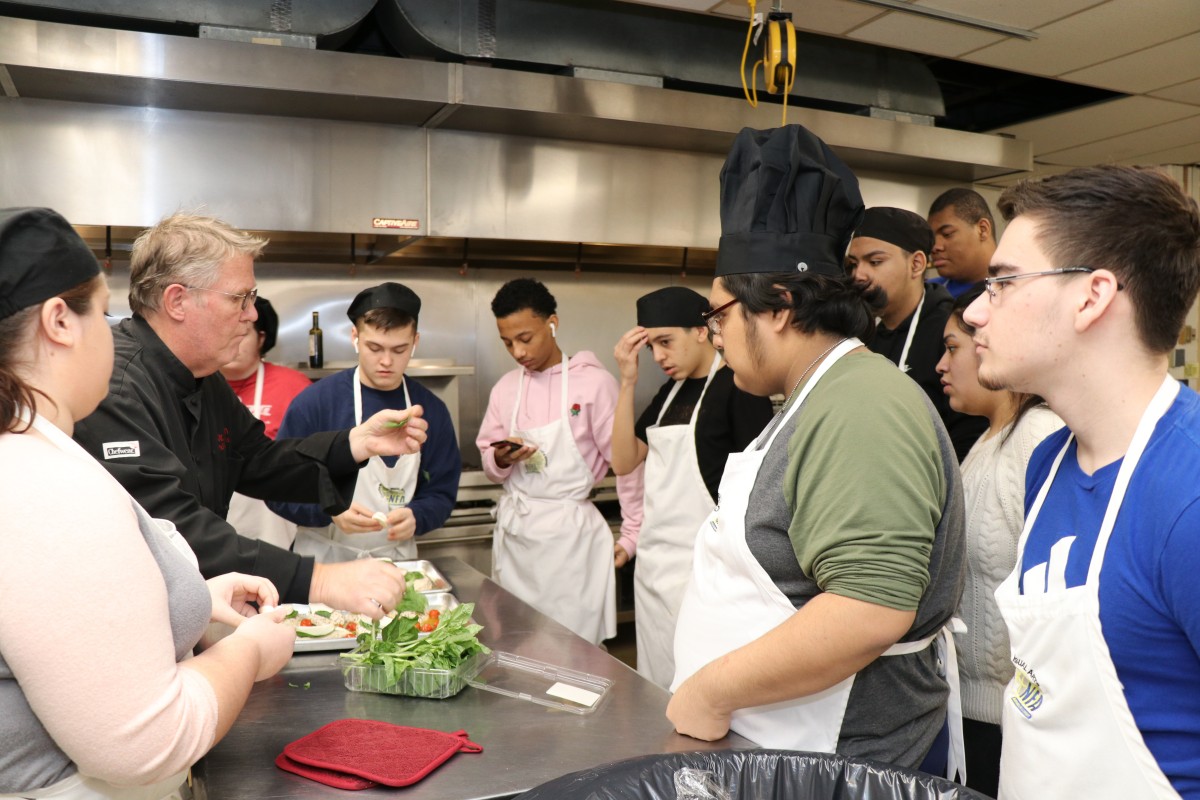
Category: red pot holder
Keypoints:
(349, 750)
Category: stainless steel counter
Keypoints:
(525, 744)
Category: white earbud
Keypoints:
(355, 343)
(553, 331)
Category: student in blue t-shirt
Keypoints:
(1089, 288)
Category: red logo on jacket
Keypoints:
(223, 439)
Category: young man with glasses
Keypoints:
(174, 434)
(824, 581)
(1089, 289)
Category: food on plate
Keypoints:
(422, 582)
(320, 622)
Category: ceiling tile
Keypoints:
(1016, 13)
(1098, 34)
(1101, 121)
(1188, 92)
(1187, 154)
(834, 17)
(907, 32)
(1153, 68)
(1131, 147)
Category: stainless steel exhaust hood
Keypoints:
(121, 127)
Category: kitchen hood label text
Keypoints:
(391, 222)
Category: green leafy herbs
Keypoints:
(412, 601)
(306, 685)
(398, 648)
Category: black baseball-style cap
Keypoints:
(41, 256)
(905, 229)
(672, 307)
(385, 295)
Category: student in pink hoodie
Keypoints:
(547, 436)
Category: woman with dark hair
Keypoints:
(994, 489)
(98, 695)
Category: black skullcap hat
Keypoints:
(906, 230)
(787, 204)
(41, 256)
(266, 324)
(385, 295)
(672, 307)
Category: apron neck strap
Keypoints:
(843, 347)
(912, 330)
(1158, 406)
(358, 403)
(258, 390)
(712, 371)
(512, 422)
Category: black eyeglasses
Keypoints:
(246, 298)
(714, 317)
(993, 285)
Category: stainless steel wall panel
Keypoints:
(512, 187)
(116, 165)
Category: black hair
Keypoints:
(819, 303)
(266, 324)
(968, 205)
(523, 293)
(1025, 402)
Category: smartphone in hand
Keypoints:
(505, 444)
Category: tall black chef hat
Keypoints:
(385, 295)
(267, 323)
(672, 307)
(41, 256)
(787, 204)
(897, 226)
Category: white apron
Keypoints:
(250, 516)
(552, 547)
(912, 331)
(379, 488)
(732, 601)
(1068, 731)
(77, 786)
(675, 503)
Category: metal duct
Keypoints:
(328, 23)
(670, 46)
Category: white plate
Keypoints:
(317, 644)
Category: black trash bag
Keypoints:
(749, 775)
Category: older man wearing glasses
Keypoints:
(179, 440)
(1089, 289)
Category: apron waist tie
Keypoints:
(947, 665)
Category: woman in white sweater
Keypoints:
(99, 697)
(994, 488)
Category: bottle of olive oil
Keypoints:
(316, 343)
